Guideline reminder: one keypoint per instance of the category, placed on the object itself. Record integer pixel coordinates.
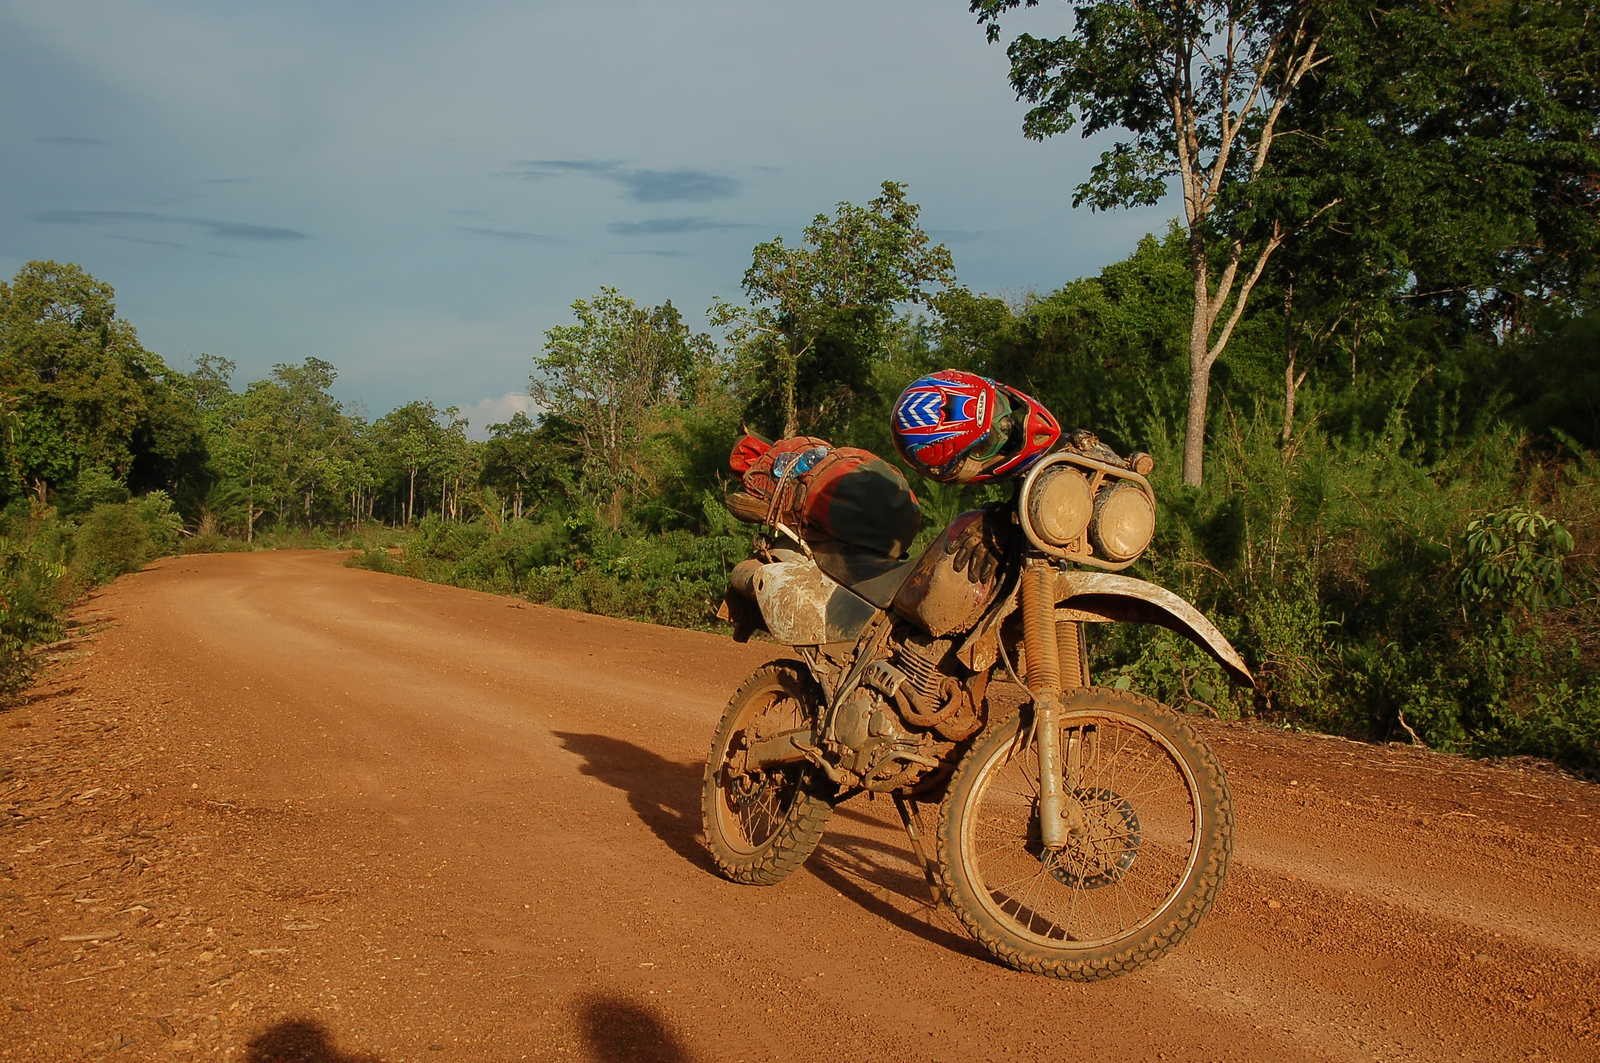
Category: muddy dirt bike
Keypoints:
(1083, 832)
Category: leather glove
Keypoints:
(976, 550)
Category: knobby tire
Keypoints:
(1001, 933)
(799, 828)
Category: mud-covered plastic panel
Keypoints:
(803, 606)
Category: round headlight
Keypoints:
(1124, 522)
(1059, 506)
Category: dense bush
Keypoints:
(372, 558)
(673, 577)
(1379, 597)
(46, 560)
(115, 538)
(32, 592)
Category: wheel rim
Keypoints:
(1135, 826)
(752, 805)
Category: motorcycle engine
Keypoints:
(873, 744)
(865, 716)
(920, 682)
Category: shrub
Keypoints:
(212, 544)
(375, 558)
(32, 595)
(111, 540)
(161, 521)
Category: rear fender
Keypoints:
(1106, 597)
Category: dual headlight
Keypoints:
(1088, 511)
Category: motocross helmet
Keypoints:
(958, 427)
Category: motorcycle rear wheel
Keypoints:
(761, 825)
(1151, 831)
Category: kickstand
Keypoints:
(908, 816)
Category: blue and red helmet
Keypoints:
(958, 427)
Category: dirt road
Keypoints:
(269, 808)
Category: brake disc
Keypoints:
(1103, 850)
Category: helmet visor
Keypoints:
(1004, 427)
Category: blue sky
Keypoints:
(415, 192)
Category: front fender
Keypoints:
(1100, 597)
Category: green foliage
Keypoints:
(32, 596)
(608, 376)
(675, 577)
(212, 543)
(1458, 141)
(84, 408)
(46, 560)
(114, 538)
(819, 313)
(1106, 351)
(373, 558)
(1368, 598)
(162, 523)
(1512, 559)
(111, 540)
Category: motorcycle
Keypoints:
(1082, 831)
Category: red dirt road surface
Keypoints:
(269, 808)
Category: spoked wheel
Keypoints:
(1149, 831)
(761, 824)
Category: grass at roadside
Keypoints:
(674, 578)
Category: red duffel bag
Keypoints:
(825, 493)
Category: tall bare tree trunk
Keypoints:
(1291, 387)
(614, 509)
(791, 370)
(1194, 424)
(1291, 349)
(1200, 362)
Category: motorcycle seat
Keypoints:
(871, 576)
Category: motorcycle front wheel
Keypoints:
(1149, 833)
(762, 824)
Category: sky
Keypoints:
(415, 191)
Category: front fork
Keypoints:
(1053, 655)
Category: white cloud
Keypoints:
(497, 409)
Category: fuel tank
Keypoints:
(954, 580)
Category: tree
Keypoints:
(456, 460)
(284, 446)
(1461, 143)
(79, 394)
(605, 375)
(409, 438)
(1199, 86)
(818, 312)
(526, 462)
(1106, 352)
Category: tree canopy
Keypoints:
(818, 312)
